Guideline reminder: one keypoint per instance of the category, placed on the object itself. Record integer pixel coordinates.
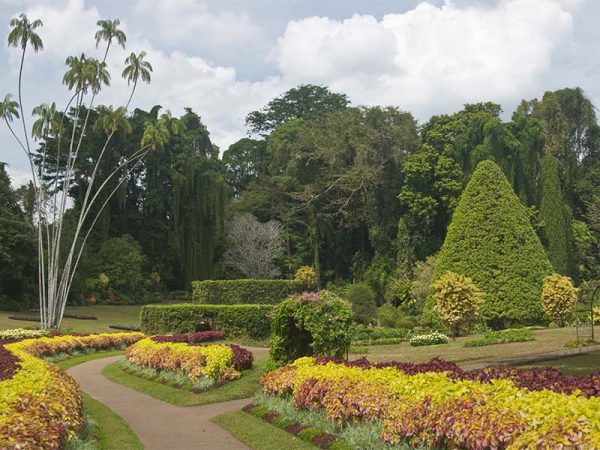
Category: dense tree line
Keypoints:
(362, 193)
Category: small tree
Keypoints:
(559, 297)
(458, 302)
(253, 246)
(307, 276)
(362, 298)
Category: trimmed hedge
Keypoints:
(244, 292)
(235, 320)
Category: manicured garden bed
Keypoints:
(40, 405)
(438, 404)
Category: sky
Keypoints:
(225, 58)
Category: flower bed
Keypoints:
(432, 338)
(437, 408)
(40, 406)
(21, 333)
(191, 338)
(218, 363)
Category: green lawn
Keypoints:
(106, 314)
(546, 340)
(244, 387)
(573, 365)
(257, 434)
(111, 431)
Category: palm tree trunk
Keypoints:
(131, 96)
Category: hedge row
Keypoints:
(250, 320)
(236, 292)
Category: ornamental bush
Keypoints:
(246, 291)
(364, 306)
(235, 320)
(433, 338)
(559, 298)
(457, 301)
(311, 324)
(491, 240)
(307, 276)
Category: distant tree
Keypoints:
(559, 298)
(303, 102)
(253, 246)
(458, 302)
(122, 262)
(491, 241)
(556, 216)
(362, 299)
(246, 160)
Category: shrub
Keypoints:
(235, 320)
(432, 338)
(491, 240)
(398, 293)
(195, 361)
(21, 333)
(191, 338)
(430, 405)
(457, 301)
(311, 323)
(502, 337)
(393, 317)
(559, 298)
(235, 292)
(362, 299)
(307, 276)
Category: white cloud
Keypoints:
(429, 57)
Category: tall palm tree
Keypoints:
(136, 68)
(111, 120)
(97, 74)
(22, 34)
(47, 123)
(109, 30)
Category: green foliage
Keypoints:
(122, 264)
(304, 101)
(364, 335)
(17, 250)
(244, 291)
(491, 241)
(393, 317)
(559, 297)
(235, 320)
(307, 276)
(457, 301)
(311, 324)
(362, 299)
(556, 217)
(502, 337)
(399, 293)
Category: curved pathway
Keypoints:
(158, 425)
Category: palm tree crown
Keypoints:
(9, 109)
(47, 124)
(111, 120)
(23, 33)
(85, 73)
(137, 68)
(109, 30)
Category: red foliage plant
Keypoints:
(242, 358)
(8, 364)
(535, 379)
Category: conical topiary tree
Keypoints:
(491, 240)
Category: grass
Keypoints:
(244, 387)
(546, 340)
(110, 431)
(106, 314)
(257, 434)
(574, 365)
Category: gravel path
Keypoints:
(158, 425)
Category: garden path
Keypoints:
(158, 425)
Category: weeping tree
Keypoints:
(53, 173)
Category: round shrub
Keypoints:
(458, 302)
(559, 297)
(391, 316)
(433, 338)
(362, 298)
(311, 324)
(307, 276)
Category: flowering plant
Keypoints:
(432, 338)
